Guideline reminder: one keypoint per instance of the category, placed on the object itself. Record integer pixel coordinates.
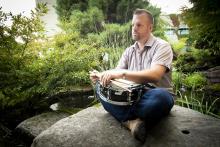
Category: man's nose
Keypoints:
(134, 28)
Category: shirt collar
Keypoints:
(148, 44)
(150, 41)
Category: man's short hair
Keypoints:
(143, 11)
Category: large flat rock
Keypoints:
(95, 127)
(30, 128)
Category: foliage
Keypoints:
(177, 79)
(159, 24)
(189, 90)
(124, 9)
(118, 11)
(16, 53)
(205, 106)
(64, 8)
(176, 23)
(204, 20)
(67, 64)
(195, 81)
(86, 22)
(39, 67)
(114, 39)
(195, 60)
(115, 11)
(114, 35)
(15, 38)
(179, 45)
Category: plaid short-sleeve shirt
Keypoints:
(156, 51)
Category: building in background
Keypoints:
(24, 7)
(51, 18)
(174, 31)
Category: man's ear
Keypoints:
(151, 27)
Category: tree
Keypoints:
(64, 8)
(176, 23)
(115, 11)
(15, 53)
(204, 19)
(89, 21)
(118, 11)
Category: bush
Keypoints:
(90, 21)
(179, 45)
(65, 7)
(195, 60)
(177, 79)
(17, 54)
(67, 65)
(41, 67)
(195, 81)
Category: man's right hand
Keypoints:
(94, 76)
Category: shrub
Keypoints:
(90, 21)
(17, 54)
(177, 79)
(195, 81)
(196, 60)
(114, 39)
(67, 65)
(65, 7)
(179, 45)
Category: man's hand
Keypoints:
(94, 76)
(108, 75)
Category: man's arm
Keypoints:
(154, 74)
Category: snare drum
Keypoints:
(120, 92)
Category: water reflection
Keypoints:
(71, 104)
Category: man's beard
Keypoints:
(135, 37)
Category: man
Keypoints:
(147, 61)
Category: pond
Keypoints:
(70, 102)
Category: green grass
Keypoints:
(195, 101)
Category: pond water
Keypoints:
(73, 104)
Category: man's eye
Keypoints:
(136, 25)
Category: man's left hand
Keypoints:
(108, 75)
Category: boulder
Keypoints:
(95, 127)
(213, 74)
(30, 128)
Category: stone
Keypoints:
(30, 128)
(213, 74)
(4, 133)
(95, 127)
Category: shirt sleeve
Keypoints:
(163, 56)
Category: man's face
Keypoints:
(141, 27)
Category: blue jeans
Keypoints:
(154, 104)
